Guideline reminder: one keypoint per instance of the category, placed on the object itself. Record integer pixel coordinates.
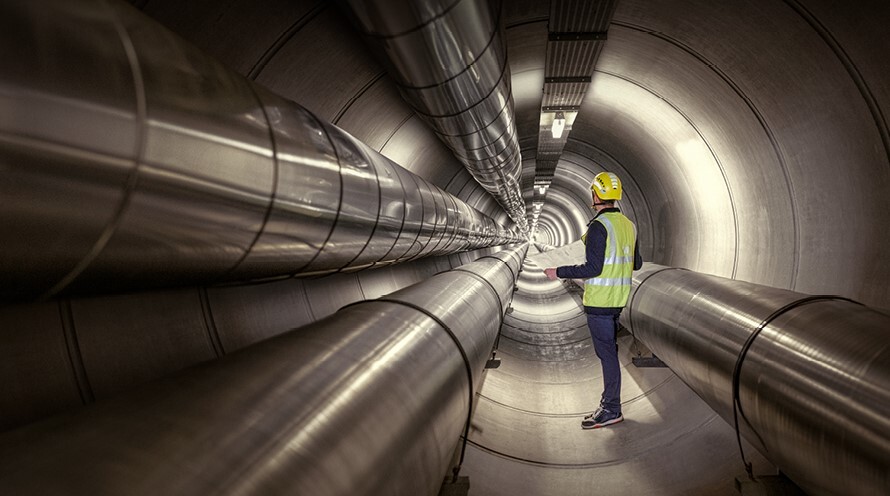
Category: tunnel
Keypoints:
(297, 247)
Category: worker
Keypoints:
(612, 254)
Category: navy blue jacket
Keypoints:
(595, 253)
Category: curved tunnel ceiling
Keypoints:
(747, 134)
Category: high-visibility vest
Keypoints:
(611, 288)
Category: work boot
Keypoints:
(601, 418)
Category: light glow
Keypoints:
(559, 125)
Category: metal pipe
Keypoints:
(75, 351)
(134, 161)
(813, 383)
(449, 61)
(371, 400)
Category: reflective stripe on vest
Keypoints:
(611, 288)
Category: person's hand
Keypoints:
(551, 273)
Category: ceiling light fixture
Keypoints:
(559, 124)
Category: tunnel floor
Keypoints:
(526, 436)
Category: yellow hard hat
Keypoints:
(606, 186)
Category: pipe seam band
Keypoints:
(497, 296)
(463, 355)
(502, 260)
(737, 369)
(630, 313)
(327, 137)
(487, 283)
(75, 356)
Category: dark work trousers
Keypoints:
(603, 329)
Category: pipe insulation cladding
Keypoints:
(449, 61)
(135, 161)
(752, 142)
(371, 400)
(812, 373)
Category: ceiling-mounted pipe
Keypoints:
(449, 61)
(813, 381)
(131, 160)
(372, 400)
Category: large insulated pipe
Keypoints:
(812, 374)
(449, 61)
(131, 160)
(372, 400)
